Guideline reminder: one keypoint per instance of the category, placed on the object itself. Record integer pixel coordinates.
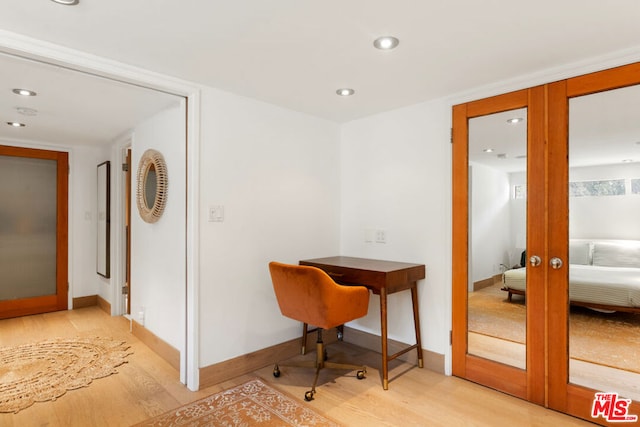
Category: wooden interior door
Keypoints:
(564, 393)
(547, 377)
(33, 234)
(524, 379)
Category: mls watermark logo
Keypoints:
(612, 408)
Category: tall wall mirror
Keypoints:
(604, 241)
(497, 235)
(103, 261)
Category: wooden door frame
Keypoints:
(527, 384)
(59, 301)
(127, 203)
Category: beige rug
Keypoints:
(251, 404)
(609, 339)
(46, 370)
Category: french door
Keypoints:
(493, 139)
(515, 159)
(33, 231)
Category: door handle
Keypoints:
(556, 263)
(535, 261)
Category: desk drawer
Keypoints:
(351, 276)
(348, 275)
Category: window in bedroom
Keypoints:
(635, 186)
(609, 187)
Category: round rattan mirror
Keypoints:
(151, 195)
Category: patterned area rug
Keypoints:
(251, 404)
(46, 370)
(609, 339)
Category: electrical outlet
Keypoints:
(381, 236)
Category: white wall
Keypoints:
(158, 250)
(606, 217)
(490, 239)
(518, 219)
(396, 176)
(83, 219)
(277, 174)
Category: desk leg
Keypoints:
(416, 322)
(383, 324)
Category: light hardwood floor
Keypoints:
(147, 386)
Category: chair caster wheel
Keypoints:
(340, 335)
(308, 396)
(361, 375)
(276, 371)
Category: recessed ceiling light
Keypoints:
(16, 124)
(515, 120)
(24, 92)
(66, 2)
(345, 91)
(488, 150)
(386, 42)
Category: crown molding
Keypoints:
(548, 75)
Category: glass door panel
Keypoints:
(497, 237)
(604, 241)
(28, 227)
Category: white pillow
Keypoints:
(580, 253)
(617, 254)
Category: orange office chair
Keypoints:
(309, 295)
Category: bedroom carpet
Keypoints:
(251, 404)
(609, 339)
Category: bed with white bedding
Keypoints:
(603, 274)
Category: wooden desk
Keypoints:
(383, 278)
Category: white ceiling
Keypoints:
(296, 53)
(72, 108)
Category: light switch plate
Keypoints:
(216, 213)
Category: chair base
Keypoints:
(306, 330)
(321, 363)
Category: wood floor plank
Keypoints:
(147, 385)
